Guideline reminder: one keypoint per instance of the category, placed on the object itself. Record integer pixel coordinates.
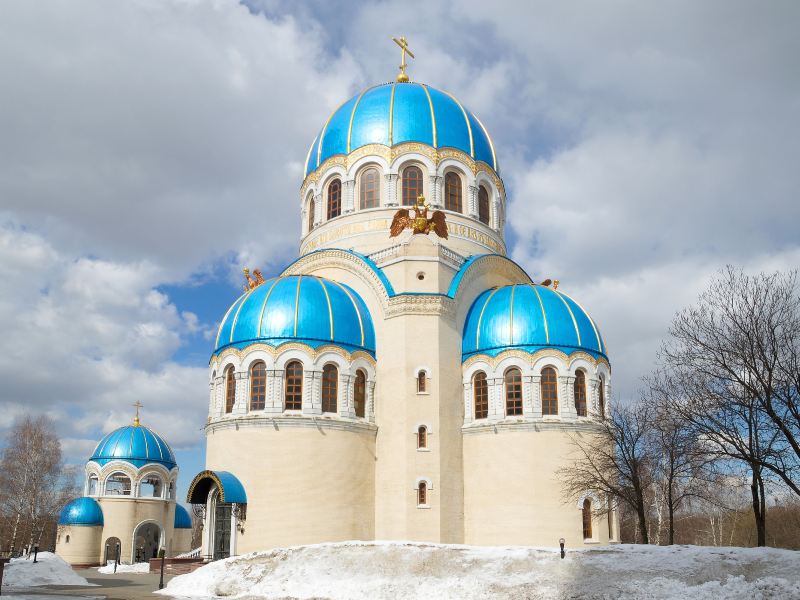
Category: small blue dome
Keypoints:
(136, 444)
(298, 308)
(528, 317)
(182, 518)
(81, 511)
(394, 113)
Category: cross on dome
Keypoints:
(403, 43)
(138, 405)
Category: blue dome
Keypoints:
(135, 444)
(394, 113)
(528, 317)
(182, 518)
(81, 511)
(298, 308)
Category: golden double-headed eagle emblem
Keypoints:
(419, 222)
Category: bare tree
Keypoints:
(35, 483)
(731, 371)
(615, 461)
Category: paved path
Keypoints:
(119, 586)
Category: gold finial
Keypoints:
(138, 405)
(555, 284)
(252, 282)
(403, 43)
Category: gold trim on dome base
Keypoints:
(531, 358)
(391, 153)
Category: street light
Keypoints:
(35, 552)
(561, 543)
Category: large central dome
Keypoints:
(395, 113)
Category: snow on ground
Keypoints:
(49, 569)
(390, 570)
(134, 568)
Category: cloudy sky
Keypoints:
(150, 148)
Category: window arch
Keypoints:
(513, 381)
(480, 395)
(118, 484)
(587, 519)
(293, 393)
(422, 436)
(422, 382)
(334, 199)
(369, 188)
(330, 388)
(93, 487)
(412, 185)
(151, 486)
(579, 391)
(258, 385)
(483, 205)
(230, 389)
(452, 192)
(549, 391)
(602, 397)
(360, 393)
(422, 493)
(310, 213)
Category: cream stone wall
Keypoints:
(81, 549)
(512, 492)
(123, 514)
(307, 480)
(181, 541)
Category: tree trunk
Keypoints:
(671, 509)
(641, 514)
(759, 508)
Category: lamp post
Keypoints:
(561, 543)
(35, 552)
(161, 581)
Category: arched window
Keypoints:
(334, 199)
(422, 437)
(369, 188)
(422, 381)
(580, 394)
(293, 396)
(549, 391)
(93, 486)
(151, 487)
(310, 213)
(513, 392)
(412, 185)
(118, 484)
(67, 540)
(258, 386)
(330, 388)
(602, 397)
(230, 390)
(422, 493)
(452, 192)
(480, 393)
(587, 519)
(360, 393)
(483, 205)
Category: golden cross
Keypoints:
(403, 43)
(138, 405)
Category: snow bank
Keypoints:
(134, 568)
(49, 569)
(390, 570)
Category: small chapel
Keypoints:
(402, 379)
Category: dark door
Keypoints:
(222, 531)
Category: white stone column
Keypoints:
(472, 201)
(469, 407)
(536, 388)
(497, 409)
(436, 191)
(527, 396)
(276, 392)
(391, 189)
(496, 218)
(570, 412)
(212, 398)
(219, 394)
(349, 191)
(593, 408)
(563, 403)
(312, 396)
(371, 401)
(240, 405)
(345, 399)
(318, 210)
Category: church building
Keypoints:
(402, 379)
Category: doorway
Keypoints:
(147, 541)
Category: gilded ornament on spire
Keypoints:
(252, 282)
(403, 43)
(138, 405)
